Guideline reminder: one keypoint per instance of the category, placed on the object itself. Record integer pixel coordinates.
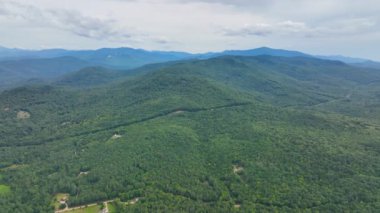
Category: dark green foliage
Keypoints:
(62, 206)
(230, 134)
(89, 76)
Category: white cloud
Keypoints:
(68, 20)
(333, 28)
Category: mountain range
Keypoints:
(18, 66)
(260, 130)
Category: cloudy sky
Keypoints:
(348, 27)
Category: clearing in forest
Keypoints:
(23, 115)
(88, 209)
(59, 199)
(111, 207)
(115, 136)
(237, 169)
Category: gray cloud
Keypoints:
(86, 26)
(265, 29)
(68, 20)
(255, 30)
(346, 27)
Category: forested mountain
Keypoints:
(18, 66)
(225, 134)
(358, 62)
(15, 72)
(127, 58)
(89, 76)
(259, 51)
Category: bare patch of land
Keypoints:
(134, 201)
(177, 112)
(237, 169)
(23, 115)
(91, 207)
(83, 173)
(115, 136)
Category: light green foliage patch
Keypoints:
(90, 209)
(4, 190)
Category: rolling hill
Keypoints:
(89, 76)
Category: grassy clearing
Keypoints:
(111, 208)
(90, 209)
(4, 190)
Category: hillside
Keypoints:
(258, 51)
(13, 72)
(89, 76)
(226, 134)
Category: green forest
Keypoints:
(226, 134)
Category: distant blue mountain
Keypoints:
(121, 58)
(358, 62)
(345, 59)
(367, 64)
(14, 72)
(130, 58)
(126, 58)
(17, 65)
(264, 51)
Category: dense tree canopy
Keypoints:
(219, 135)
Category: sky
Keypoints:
(326, 27)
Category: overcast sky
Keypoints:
(347, 27)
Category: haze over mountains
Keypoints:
(148, 131)
(18, 66)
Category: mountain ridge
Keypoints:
(124, 58)
(57, 52)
